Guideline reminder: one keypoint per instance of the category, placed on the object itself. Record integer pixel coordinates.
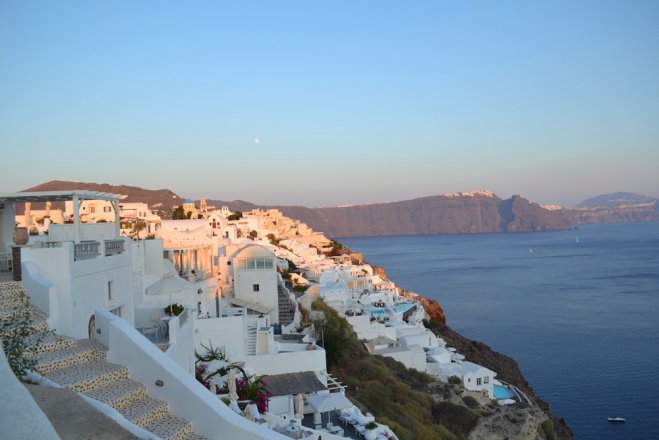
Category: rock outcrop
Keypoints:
(506, 368)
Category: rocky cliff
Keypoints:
(506, 368)
(446, 214)
(614, 208)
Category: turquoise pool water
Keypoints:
(399, 308)
(501, 392)
(402, 308)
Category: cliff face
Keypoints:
(646, 212)
(448, 214)
(506, 368)
(614, 208)
(432, 308)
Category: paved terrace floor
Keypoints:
(348, 430)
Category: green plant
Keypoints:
(455, 380)
(470, 402)
(174, 309)
(235, 216)
(546, 430)
(371, 425)
(178, 213)
(20, 340)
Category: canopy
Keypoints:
(168, 285)
(329, 402)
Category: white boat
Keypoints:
(616, 419)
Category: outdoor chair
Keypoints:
(150, 329)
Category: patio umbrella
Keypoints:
(231, 382)
(299, 406)
(328, 402)
(169, 284)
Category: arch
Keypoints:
(91, 327)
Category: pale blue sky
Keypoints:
(353, 101)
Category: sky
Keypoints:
(331, 103)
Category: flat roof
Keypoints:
(294, 383)
(58, 196)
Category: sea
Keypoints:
(577, 309)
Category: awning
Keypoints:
(250, 305)
(294, 383)
(329, 402)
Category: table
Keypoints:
(336, 430)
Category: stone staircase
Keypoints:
(286, 306)
(81, 365)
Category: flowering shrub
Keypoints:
(254, 391)
(248, 389)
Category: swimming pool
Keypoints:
(501, 392)
(402, 308)
(398, 308)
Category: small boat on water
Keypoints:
(616, 419)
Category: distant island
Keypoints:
(614, 208)
(450, 213)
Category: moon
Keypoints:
(257, 140)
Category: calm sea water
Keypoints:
(580, 318)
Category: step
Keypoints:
(50, 341)
(93, 344)
(170, 427)
(144, 410)
(195, 436)
(12, 293)
(38, 322)
(89, 376)
(119, 393)
(12, 301)
(64, 358)
(10, 284)
(31, 310)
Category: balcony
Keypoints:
(89, 249)
(86, 250)
(114, 247)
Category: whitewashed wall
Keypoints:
(185, 396)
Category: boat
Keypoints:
(577, 239)
(616, 419)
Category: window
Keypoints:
(256, 263)
(479, 381)
(255, 287)
(92, 209)
(107, 209)
(110, 286)
(486, 379)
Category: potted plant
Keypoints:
(369, 433)
(174, 309)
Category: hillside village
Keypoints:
(204, 326)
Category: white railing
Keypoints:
(114, 247)
(86, 250)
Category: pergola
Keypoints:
(77, 196)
